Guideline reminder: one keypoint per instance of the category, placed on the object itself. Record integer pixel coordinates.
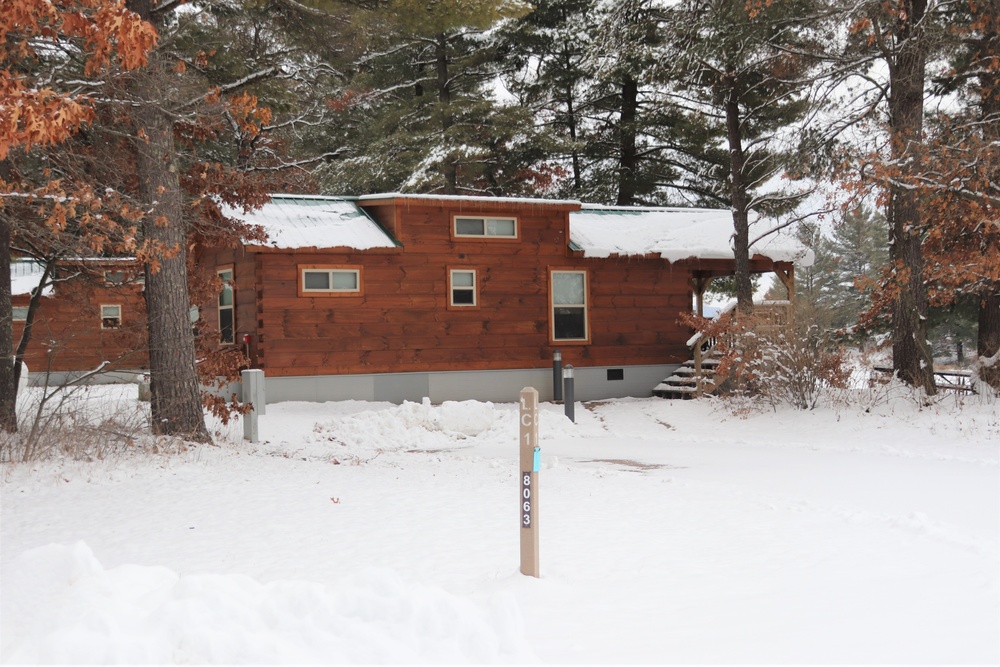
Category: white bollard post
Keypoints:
(253, 392)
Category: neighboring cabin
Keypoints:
(393, 297)
(92, 314)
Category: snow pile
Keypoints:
(861, 532)
(361, 437)
(61, 606)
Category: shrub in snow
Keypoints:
(774, 360)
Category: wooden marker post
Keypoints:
(530, 459)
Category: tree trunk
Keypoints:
(176, 404)
(29, 321)
(8, 385)
(988, 342)
(740, 200)
(912, 361)
(449, 168)
(629, 158)
(571, 123)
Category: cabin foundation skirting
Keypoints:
(63, 378)
(499, 386)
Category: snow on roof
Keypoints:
(469, 198)
(312, 221)
(25, 276)
(674, 234)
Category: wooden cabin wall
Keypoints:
(244, 265)
(402, 322)
(67, 333)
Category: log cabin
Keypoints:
(91, 316)
(396, 297)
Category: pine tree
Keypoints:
(848, 261)
(740, 72)
(421, 104)
(545, 66)
(630, 119)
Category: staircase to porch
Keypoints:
(695, 377)
(700, 374)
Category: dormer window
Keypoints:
(488, 227)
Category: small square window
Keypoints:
(463, 287)
(111, 317)
(20, 313)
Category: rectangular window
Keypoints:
(20, 313)
(111, 316)
(569, 306)
(463, 288)
(329, 281)
(123, 277)
(227, 308)
(503, 228)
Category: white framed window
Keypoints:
(489, 227)
(111, 316)
(227, 307)
(462, 288)
(568, 294)
(318, 280)
(20, 313)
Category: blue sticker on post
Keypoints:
(537, 464)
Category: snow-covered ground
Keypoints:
(671, 532)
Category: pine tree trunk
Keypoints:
(8, 384)
(449, 169)
(988, 343)
(988, 339)
(912, 361)
(176, 404)
(628, 159)
(740, 200)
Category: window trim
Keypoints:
(330, 268)
(219, 270)
(586, 308)
(121, 318)
(484, 236)
(474, 289)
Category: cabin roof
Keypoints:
(313, 221)
(317, 221)
(25, 276)
(674, 234)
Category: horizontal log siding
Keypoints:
(244, 267)
(402, 322)
(67, 335)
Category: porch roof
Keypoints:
(675, 234)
